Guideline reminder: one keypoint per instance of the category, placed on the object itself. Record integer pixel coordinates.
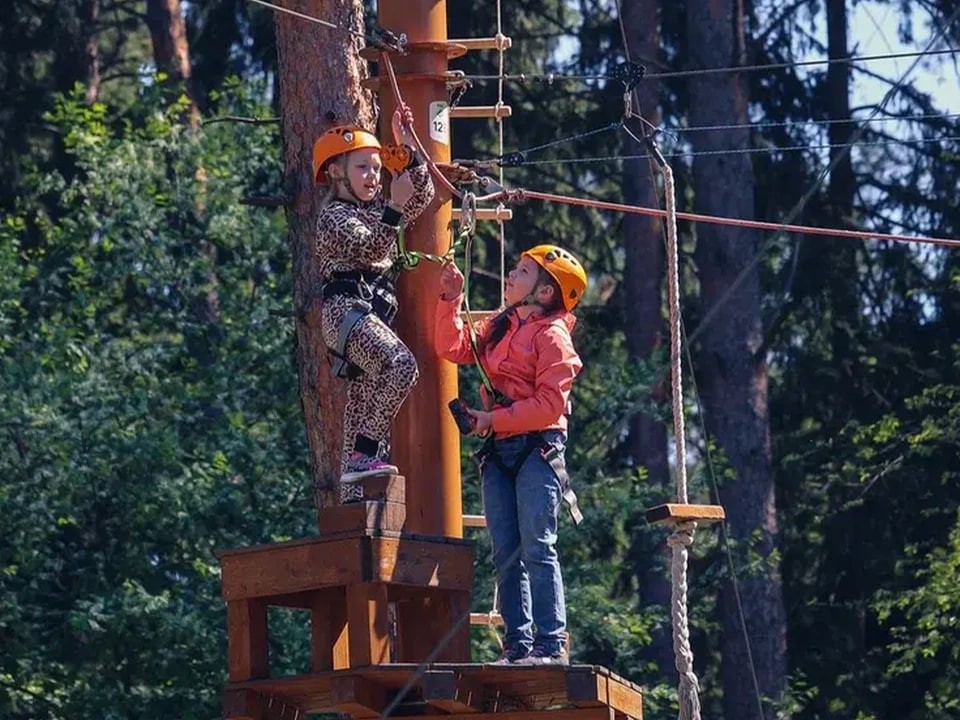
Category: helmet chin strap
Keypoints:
(345, 182)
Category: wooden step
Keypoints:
(486, 619)
(481, 111)
(496, 42)
(474, 521)
(374, 516)
(499, 213)
(676, 513)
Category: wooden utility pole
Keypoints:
(426, 443)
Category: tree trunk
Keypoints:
(89, 22)
(320, 74)
(171, 53)
(733, 373)
(643, 280)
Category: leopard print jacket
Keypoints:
(362, 236)
(359, 236)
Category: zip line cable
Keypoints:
(802, 202)
(773, 149)
(318, 21)
(550, 78)
(830, 121)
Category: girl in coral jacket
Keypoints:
(528, 354)
(356, 248)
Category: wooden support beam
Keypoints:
(421, 621)
(474, 521)
(674, 513)
(487, 43)
(245, 704)
(368, 516)
(391, 488)
(588, 688)
(329, 634)
(247, 651)
(481, 111)
(358, 696)
(369, 636)
(451, 692)
(498, 213)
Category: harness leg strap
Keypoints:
(340, 365)
(552, 457)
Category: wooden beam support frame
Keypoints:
(481, 111)
(451, 692)
(676, 513)
(358, 696)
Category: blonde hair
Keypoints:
(331, 193)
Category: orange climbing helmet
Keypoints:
(563, 267)
(337, 141)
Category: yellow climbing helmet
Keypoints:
(563, 267)
(337, 141)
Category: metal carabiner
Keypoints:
(468, 213)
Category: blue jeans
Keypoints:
(522, 521)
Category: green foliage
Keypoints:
(151, 412)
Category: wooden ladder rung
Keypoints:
(482, 111)
(486, 43)
(488, 619)
(474, 520)
(498, 213)
(675, 513)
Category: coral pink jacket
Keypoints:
(534, 365)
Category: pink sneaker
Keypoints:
(360, 466)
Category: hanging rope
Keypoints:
(682, 537)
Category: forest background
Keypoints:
(152, 341)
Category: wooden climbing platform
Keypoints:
(474, 691)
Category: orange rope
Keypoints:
(439, 176)
(521, 195)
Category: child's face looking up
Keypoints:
(363, 172)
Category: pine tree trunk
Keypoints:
(732, 373)
(171, 53)
(320, 74)
(90, 20)
(643, 280)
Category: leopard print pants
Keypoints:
(389, 373)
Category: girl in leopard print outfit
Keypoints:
(357, 233)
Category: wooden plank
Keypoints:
(487, 43)
(247, 650)
(358, 696)
(499, 213)
(250, 705)
(588, 688)
(481, 111)
(369, 629)
(284, 568)
(392, 488)
(598, 713)
(329, 638)
(424, 563)
(474, 521)
(369, 515)
(673, 513)
(451, 692)
(486, 619)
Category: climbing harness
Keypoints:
(371, 292)
(549, 453)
